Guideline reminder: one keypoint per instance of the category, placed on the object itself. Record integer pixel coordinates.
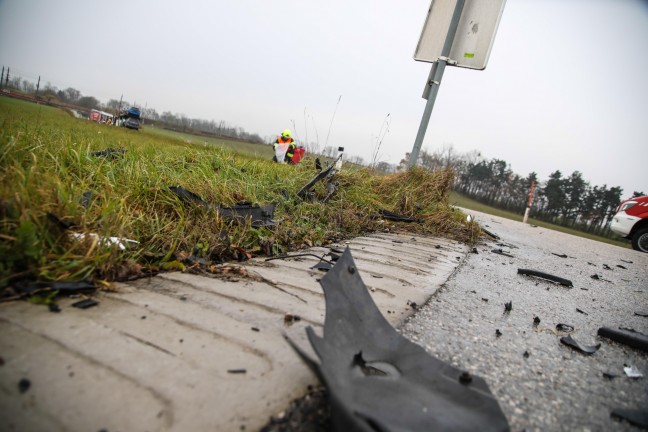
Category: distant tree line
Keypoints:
(564, 200)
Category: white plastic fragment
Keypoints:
(632, 372)
(120, 242)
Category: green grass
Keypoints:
(47, 168)
(465, 202)
(254, 150)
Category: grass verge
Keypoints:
(59, 201)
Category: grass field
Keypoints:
(59, 202)
(260, 151)
(465, 202)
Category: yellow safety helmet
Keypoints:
(286, 133)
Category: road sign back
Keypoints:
(474, 37)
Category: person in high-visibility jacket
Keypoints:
(284, 147)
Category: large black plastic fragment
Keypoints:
(258, 216)
(380, 381)
(547, 276)
(628, 337)
(586, 349)
(637, 417)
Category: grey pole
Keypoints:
(436, 74)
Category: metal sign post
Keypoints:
(436, 74)
(457, 33)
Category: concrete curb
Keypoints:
(182, 352)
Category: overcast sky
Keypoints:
(565, 89)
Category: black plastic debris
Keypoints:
(595, 277)
(237, 371)
(395, 217)
(536, 321)
(636, 417)
(495, 236)
(322, 266)
(626, 261)
(259, 216)
(609, 375)
(58, 222)
(547, 276)
(86, 199)
(581, 311)
(625, 336)
(29, 287)
(23, 385)
(621, 267)
(526, 354)
(560, 255)
(607, 267)
(110, 153)
(187, 196)
(508, 306)
(379, 380)
(498, 333)
(567, 328)
(85, 304)
(585, 349)
(501, 252)
(642, 314)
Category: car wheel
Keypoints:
(640, 240)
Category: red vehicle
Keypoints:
(631, 221)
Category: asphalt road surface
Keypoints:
(540, 383)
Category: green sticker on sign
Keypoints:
(469, 55)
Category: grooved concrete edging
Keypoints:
(181, 352)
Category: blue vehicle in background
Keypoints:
(130, 118)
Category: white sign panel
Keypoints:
(475, 34)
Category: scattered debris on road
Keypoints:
(546, 276)
(586, 349)
(629, 337)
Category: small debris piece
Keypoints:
(621, 267)
(501, 252)
(560, 255)
(564, 327)
(498, 333)
(495, 236)
(485, 299)
(625, 336)
(290, 318)
(547, 276)
(237, 371)
(536, 321)
(63, 287)
(580, 311)
(395, 217)
(508, 306)
(586, 349)
(526, 354)
(85, 304)
(110, 153)
(53, 307)
(23, 385)
(412, 304)
(637, 417)
(609, 375)
(607, 267)
(626, 261)
(632, 372)
(474, 250)
(256, 329)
